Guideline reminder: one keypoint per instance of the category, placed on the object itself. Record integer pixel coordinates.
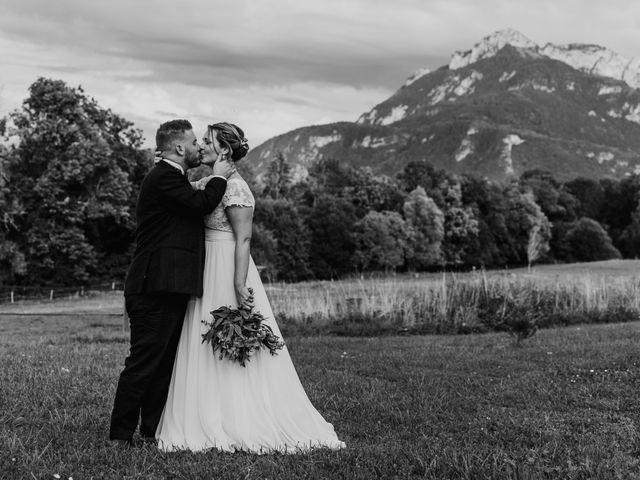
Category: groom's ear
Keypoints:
(179, 149)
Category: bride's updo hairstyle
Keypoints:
(230, 136)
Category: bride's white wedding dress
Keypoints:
(215, 403)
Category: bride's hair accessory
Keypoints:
(232, 137)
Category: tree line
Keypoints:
(71, 171)
(342, 220)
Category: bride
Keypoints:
(220, 404)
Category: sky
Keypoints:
(270, 66)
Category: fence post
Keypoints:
(126, 328)
(11, 296)
(51, 295)
(113, 285)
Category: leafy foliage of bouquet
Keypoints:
(238, 333)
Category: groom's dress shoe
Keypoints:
(121, 444)
(144, 441)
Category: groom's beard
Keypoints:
(192, 159)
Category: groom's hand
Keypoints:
(224, 168)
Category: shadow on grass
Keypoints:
(99, 338)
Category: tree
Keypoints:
(506, 217)
(264, 250)
(485, 198)
(331, 221)
(12, 258)
(370, 192)
(284, 221)
(529, 226)
(629, 240)
(382, 240)
(427, 222)
(360, 186)
(539, 234)
(460, 224)
(461, 227)
(584, 240)
(556, 201)
(75, 170)
(278, 178)
(621, 200)
(248, 172)
(589, 195)
(331, 176)
(423, 174)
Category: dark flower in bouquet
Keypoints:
(238, 333)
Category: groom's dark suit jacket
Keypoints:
(169, 254)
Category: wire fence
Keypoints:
(18, 293)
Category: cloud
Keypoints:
(259, 110)
(270, 65)
(246, 42)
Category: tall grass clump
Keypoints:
(452, 303)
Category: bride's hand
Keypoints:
(244, 295)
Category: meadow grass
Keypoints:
(461, 302)
(426, 303)
(562, 405)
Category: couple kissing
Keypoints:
(192, 256)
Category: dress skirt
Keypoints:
(214, 403)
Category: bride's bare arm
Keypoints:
(241, 219)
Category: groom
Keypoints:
(166, 270)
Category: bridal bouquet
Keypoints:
(238, 333)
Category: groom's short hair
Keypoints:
(171, 131)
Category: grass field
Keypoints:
(563, 405)
(425, 303)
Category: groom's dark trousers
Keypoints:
(166, 270)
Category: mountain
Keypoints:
(587, 58)
(503, 107)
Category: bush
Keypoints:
(582, 241)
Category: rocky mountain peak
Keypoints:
(418, 74)
(593, 59)
(596, 60)
(489, 46)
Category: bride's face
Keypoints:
(212, 150)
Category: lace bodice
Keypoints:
(237, 194)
